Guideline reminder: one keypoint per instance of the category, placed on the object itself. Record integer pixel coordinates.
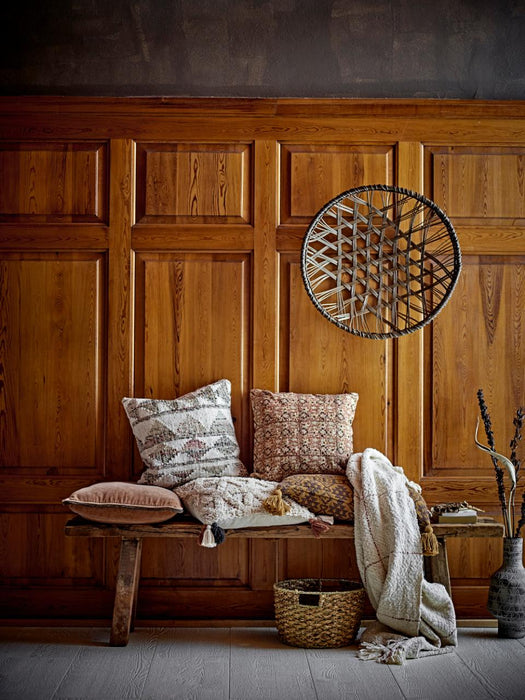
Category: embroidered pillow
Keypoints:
(330, 494)
(186, 438)
(122, 503)
(235, 502)
(301, 433)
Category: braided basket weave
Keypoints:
(315, 613)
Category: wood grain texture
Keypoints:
(265, 269)
(126, 590)
(409, 363)
(313, 175)
(277, 671)
(30, 557)
(194, 291)
(184, 303)
(186, 526)
(483, 185)
(318, 357)
(51, 367)
(120, 316)
(194, 183)
(53, 182)
(481, 329)
(232, 663)
(190, 664)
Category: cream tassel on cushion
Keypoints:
(206, 538)
(429, 542)
(275, 504)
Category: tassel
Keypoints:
(275, 504)
(206, 538)
(319, 525)
(218, 533)
(429, 542)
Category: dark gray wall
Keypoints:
(265, 48)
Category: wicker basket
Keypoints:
(314, 613)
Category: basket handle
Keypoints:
(311, 599)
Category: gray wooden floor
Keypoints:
(244, 664)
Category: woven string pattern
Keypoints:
(380, 261)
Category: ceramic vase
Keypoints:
(507, 591)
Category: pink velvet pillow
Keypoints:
(123, 503)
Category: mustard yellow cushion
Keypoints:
(323, 494)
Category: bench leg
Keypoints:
(126, 590)
(437, 567)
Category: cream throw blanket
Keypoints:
(390, 561)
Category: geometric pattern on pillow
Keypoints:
(186, 438)
(235, 502)
(301, 433)
(329, 494)
(124, 503)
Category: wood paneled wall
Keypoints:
(148, 247)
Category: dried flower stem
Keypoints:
(521, 521)
(512, 466)
(499, 471)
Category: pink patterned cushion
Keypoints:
(301, 433)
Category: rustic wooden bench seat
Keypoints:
(184, 526)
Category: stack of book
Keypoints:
(463, 515)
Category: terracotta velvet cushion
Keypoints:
(301, 433)
(186, 438)
(122, 503)
(329, 494)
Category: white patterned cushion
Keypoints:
(235, 502)
(186, 438)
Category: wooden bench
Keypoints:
(184, 526)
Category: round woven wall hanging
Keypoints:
(380, 261)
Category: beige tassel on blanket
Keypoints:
(275, 504)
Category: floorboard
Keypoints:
(33, 662)
(338, 673)
(190, 664)
(101, 671)
(498, 664)
(264, 668)
(244, 664)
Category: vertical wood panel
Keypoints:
(324, 359)
(265, 269)
(409, 349)
(52, 349)
(120, 315)
(477, 342)
(184, 304)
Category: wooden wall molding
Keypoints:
(149, 246)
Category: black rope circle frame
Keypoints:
(380, 261)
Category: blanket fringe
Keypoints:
(391, 653)
(429, 542)
(275, 504)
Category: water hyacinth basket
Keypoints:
(316, 613)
